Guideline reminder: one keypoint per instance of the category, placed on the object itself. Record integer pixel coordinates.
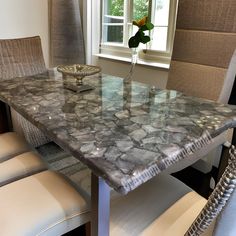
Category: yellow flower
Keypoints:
(141, 22)
(140, 36)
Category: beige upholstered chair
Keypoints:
(41, 204)
(16, 159)
(205, 40)
(11, 144)
(213, 150)
(22, 57)
(167, 207)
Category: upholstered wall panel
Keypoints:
(66, 37)
(204, 47)
(196, 80)
(214, 15)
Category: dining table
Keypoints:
(126, 133)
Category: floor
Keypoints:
(190, 176)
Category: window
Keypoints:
(117, 28)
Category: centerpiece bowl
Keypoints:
(78, 71)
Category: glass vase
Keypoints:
(134, 59)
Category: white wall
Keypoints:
(147, 74)
(24, 18)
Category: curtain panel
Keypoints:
(66, 35)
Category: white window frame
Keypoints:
(127, 25)
(94, 48)
(164, 56)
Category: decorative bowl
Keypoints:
(78, 71)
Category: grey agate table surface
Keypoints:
(125, 133)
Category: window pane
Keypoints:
(140, 9)
(161, 12)
(113, 21)
(114, 7)
(159, 39)
(113, 34)
(117, 27)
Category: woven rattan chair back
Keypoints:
(22, 57)
(218, 201)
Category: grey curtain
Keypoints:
(66, 35)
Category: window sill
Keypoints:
(160, 65)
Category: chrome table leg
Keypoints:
(100, 207)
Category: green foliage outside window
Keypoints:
(140, 9)
(116, 7)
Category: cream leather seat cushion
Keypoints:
(11, 145)
(42, 204)
(163, 206)
(178, 218)
(20, 166)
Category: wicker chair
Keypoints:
(200, 63)
(172, 209)
(22, 57)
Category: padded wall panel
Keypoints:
(213, 15)
(204, 47)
